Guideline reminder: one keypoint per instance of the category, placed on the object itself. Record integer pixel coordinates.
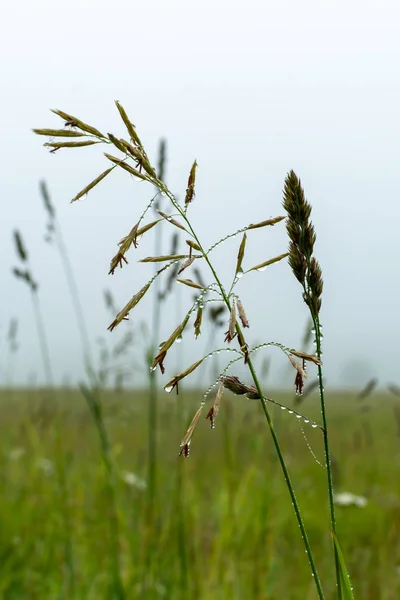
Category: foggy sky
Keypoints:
(249, 90)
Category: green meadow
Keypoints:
(218, 525)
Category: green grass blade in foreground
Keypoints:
(344, 574)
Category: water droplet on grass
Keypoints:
(168, 389)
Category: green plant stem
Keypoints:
(153, 396)
(93, 400)
(317, 328)
(61, 467)
(266, 413)
(181, 533)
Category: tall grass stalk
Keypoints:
(308, 272)
(93, 399)
(92, 394)
(27, 277)
(303, 264)
(55, 232)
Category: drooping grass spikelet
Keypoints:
(189, 433)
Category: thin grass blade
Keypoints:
(344, 574)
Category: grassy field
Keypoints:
(222, 526)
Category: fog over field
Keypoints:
(251, 91)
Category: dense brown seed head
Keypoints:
(302, 239)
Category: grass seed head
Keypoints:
(129, 125)
(191, 284)
(302, 239)
(241, 254)
(242, 314)
(20, 246)
(118, 260)
(92, 184)
(177, 333)
(78, 123)
(189, 433)
(46, 200)
(234, 385)
(310, 357)
(198, 321)
(214, 410)
(123, 314)
(190, 193)
(173, 383)
(231, 333)
(186, 264)
(270, 222)
(66, 133)
(162, 159)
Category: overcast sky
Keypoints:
(251, 90)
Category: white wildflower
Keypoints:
(349, 499)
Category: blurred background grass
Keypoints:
(223, 526)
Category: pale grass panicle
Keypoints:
(132, 159)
